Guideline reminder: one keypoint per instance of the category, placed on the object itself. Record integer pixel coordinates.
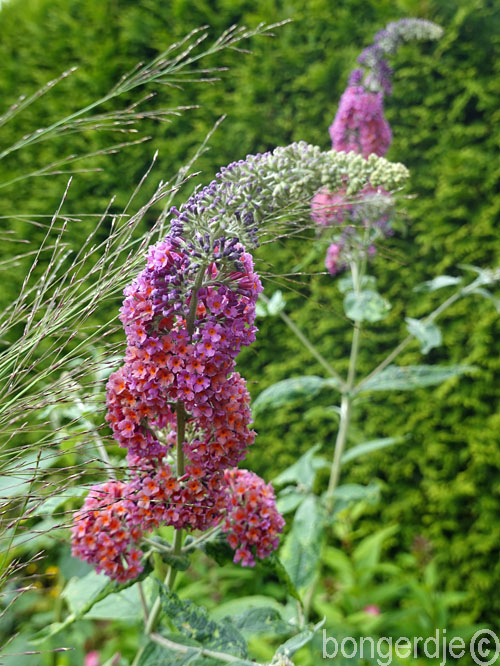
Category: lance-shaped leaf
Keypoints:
(124, 605)
(350, 493)
(367, 305)
(264, 620)
(302, 548)
(274, 565)
(487, 294)
(303, 471)
(409, 377)
(367, 554)
(427, 333)
(82, 594)
(291, 390)
(437, 283)
(178, 650)
(289, 499)
(484, 275)
(217, 548)
(369, 447)
(272, 306)
(193, 622)
(290, 647)
(346, 284)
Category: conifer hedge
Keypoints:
(444, 482)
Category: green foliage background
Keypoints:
(444, 482)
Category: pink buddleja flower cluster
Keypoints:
(185, 323)
(359, 124)
(363, 220)
(329, 208)
(333, 261)
(252, 521)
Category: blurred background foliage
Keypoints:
(443, 485)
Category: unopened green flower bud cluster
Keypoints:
(246, 192)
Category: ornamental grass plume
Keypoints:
(54, 347)
(177, 404)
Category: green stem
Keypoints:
(345, 417)
(194, 299)
(144, 605)
(172, 573)
(154, 614)
(346, 402)
(201, 652)
(204, 537)
(430, 318)
(308, 345)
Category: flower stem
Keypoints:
(204, 537)
(463, 291)
(346, 402)
(154, 614)
(308, 345)
(201, 652)
(340, 442)
(194, 299)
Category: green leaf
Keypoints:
(291, 390)
(82, 594)
(13, 482)
(437, 283)
(290, 647)
(350, 493)
(235, 607)
(183, 651)
(303, 471)
(488, 295)
(345, 283)
(177, 561)
(288, 500)
(193, 622)
(272, 307)
(340, 563)
(407, 378)
(319, 412)
(276, 303)
(427, 333)
(261, 621)
(274, 565)
(53, 503)
(369, 447)
(47, 632)
(484, 275)
(367, 305)
(80, 591)
(159, 655)
(367, 554)
(217, 548)
(124, 605)
(302, 548)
